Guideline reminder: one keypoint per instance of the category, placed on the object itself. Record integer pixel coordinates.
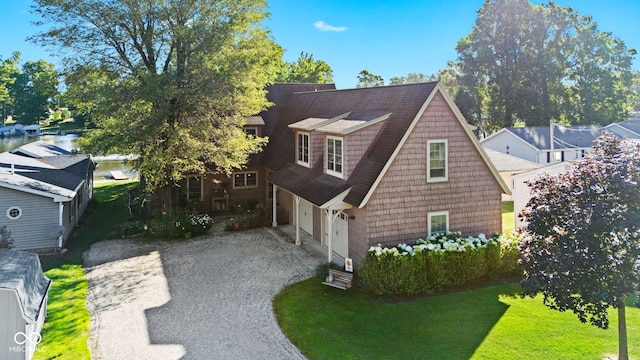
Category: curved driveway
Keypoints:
(206, 298)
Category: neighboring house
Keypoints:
(24, 292)
(507, 166)
(522, 192)
(43, 192)
(533, 143)
(629, 129)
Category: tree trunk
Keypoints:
(623, 353)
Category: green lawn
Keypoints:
(66, 328)
(508, 219)
(486, 323)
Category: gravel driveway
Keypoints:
(206, 298)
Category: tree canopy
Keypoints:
(170, 81)
(581, 243)
(534, 63)
(368, 79)
(305, 70)
(34, 92)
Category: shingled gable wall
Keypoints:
(397, 210)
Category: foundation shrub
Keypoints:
(437, 262)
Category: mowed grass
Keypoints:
(487, 323)
(66, 328)
(508, 218)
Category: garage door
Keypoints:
(306, 216)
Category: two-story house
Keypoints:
(382, 165)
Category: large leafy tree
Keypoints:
(534, 63)
(8, 71)
(34, 92)
(581, 245)
(305, 70)
(170, 81)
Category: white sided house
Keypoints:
(533, 143)
(24, 291)
(43, 192)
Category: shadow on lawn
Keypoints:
(448, 326)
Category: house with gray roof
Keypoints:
(355, 168)
(44, 190)
(508, 166)
(24, 292)
(533, 143)
(628, 129)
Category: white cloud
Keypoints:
(320, 25)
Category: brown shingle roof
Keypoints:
(403, 102)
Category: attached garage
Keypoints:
(24, 292)
(340, 234)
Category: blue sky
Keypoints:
(388, 38)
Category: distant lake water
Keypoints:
(106, 164)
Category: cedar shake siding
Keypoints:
(397, 211)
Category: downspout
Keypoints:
(60, 215)
(274, 222)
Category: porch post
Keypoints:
(274, 222)
(329, 235)
(297, 200)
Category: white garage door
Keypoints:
(306, 216)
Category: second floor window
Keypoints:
(437, 161)
(334, 156)
(303, 149)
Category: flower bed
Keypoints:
(192, 225)
(436, 262)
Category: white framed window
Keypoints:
(335, 156)
(438, 222)
(437, 161)
(251, 130)
(14, 213)
(302, 149)
(245, 180)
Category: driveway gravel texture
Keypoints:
(204, 298)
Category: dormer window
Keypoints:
(302, 149)
(334, 156)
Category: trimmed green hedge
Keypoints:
(437, 262)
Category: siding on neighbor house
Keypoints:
(39, 216)
(517, 146)
(397, 210)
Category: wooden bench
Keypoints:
(339, 279)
